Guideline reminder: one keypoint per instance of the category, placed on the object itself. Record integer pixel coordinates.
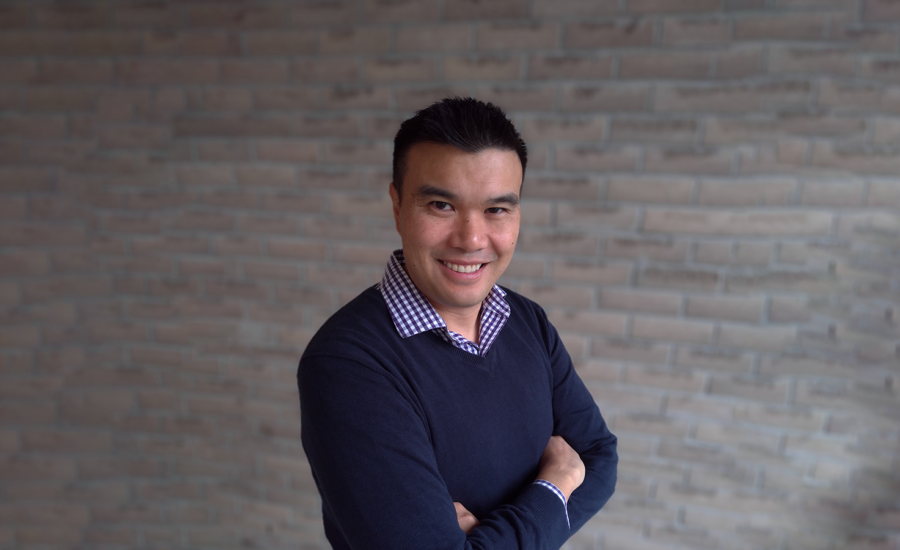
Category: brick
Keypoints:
(26, 180)
(727, 308)
(356, 153)
(632, 33)
(34, 127)
(280, 43)
(613, 217)
(569, 66)
(709, 161)
(854, 159)
(678, 32)
(856, 96)
(367, 97)
(883, 193)
(72, 17)
(650, 189)
(611, 98)
(771, 338)
(334, 229)
(57, 441)
(413, 99)
(588, 321)
(585, 158)
(256, 71)
(557, 295)
(17, 71)
(564, 188)
(669, 379)
(12, 208)
(159, 71)
(736, 254)
(678, 278)
(483, 67)
(341, 69)
(34, 42)
(644, 130)
(12, 17)
(404, 10)
(395, 69)
(536, 129)
(529, 98)
(880, 69)
(148, 14)
(781, 417)
(344, 40)
(41, 235)
(332, 180)
(236, 16)
(732, 98)
(219, 99)
(650, 302)
(748, 192)
(667, 250)
(749, 388)
(611, 349)
(591, 272)
(232, 126)
(671, 330)
(434, 38)
(473, 9)
(321, 14)
(740, 62)
(786, 309)
(672, 6)
(759, 130)
(675, 65)
(37, 468)
(518, 36)
(881, 11)
(792, 27)
(759, 223)
(559, 243)
(269, 225)
(643, 423)
(819, 61)
(832, 193)
(105, 43)
(740, 437)
(336, 276)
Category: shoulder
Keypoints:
(363, 321)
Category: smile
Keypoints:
(463, 268)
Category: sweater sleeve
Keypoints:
(371, 456)
(577, 418)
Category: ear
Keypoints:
(395, 199)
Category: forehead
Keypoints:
(490, 170)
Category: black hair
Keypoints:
(463, 122)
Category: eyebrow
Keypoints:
(431, 191)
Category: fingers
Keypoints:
(466, 520)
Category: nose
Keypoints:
(470, 233)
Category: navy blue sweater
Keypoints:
(397, 430)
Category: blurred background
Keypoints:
(188, 189)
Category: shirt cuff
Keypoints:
(557, 492)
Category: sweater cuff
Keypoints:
(557, 492)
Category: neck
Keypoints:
(465, 323)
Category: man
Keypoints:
(440, 411)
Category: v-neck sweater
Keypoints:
(397, 429)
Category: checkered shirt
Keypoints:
(413, 313)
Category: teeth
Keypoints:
(463, 268)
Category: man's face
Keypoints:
(459, 221)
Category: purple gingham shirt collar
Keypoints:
(413, 314)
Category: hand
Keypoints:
(561, 466)
(466, 520)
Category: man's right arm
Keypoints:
(371, 455)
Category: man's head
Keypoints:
(456, 201)
(466, 123)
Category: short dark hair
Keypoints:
(463, 122)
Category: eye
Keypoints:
(496, 210)
(442, 206)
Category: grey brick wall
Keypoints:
(188, 189)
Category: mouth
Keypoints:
(472, 268)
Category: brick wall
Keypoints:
(710, 218)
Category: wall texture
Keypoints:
(188, 189)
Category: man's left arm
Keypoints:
(577, 419)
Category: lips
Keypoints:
(463, 268)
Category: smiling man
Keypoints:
(439, 410)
